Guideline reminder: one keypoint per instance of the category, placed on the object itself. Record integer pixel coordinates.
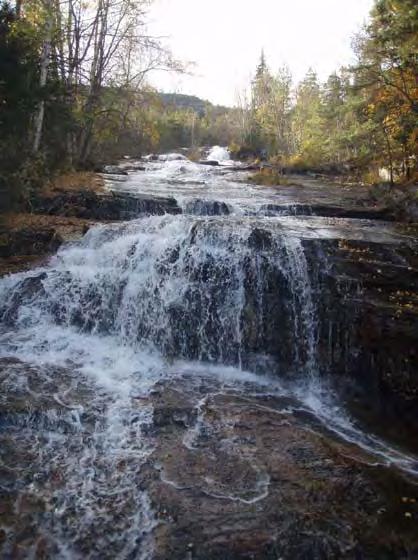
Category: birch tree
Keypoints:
(107, 45)
(90, 47)
(44, 66)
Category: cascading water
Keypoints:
(90, 335)
(218, 153)
(192, 288)
(109, 310)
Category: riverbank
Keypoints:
(64, 211)
(29, 234)
(394, 202)
(26, 240)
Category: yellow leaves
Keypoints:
(406, 500)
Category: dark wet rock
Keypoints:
(29, 289)
(113, 170)
(346, 212)
(326, 211)
(207, 208)
(87, 204)
(260, 239)
(28, 241)
(211, 163)
(367, 298)
(134, 167)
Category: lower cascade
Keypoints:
(156, 361)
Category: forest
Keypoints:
(75, 93)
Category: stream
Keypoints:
(167, 392)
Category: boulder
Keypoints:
(114, 170)
(207, 208)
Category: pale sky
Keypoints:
(225, 37)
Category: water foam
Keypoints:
(218, 153)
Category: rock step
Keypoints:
(89, 205)
(326, 211)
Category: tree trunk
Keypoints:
(19, 8)
(389, 150)
(86, 137)
(45, 59)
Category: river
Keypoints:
(167, 374)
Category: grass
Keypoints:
(22, 220)
(270, 177)
(75, 181)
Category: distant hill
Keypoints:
(182, 101)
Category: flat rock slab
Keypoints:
(238, 476)
(233, 472)
(300, 195)
(327, 211)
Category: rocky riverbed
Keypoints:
(232, 472)
(232, 373)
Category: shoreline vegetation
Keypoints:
(71, 102)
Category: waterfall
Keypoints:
(230, 291)
(97, 329)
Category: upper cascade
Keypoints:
(218, 153)
(172, 157)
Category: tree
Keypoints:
(386, 73)
(19, 97)
(307, 125)
(45, 60)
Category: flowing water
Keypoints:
(92, 333)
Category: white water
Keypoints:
(179, 284)
(157, 298)
(219, 154)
